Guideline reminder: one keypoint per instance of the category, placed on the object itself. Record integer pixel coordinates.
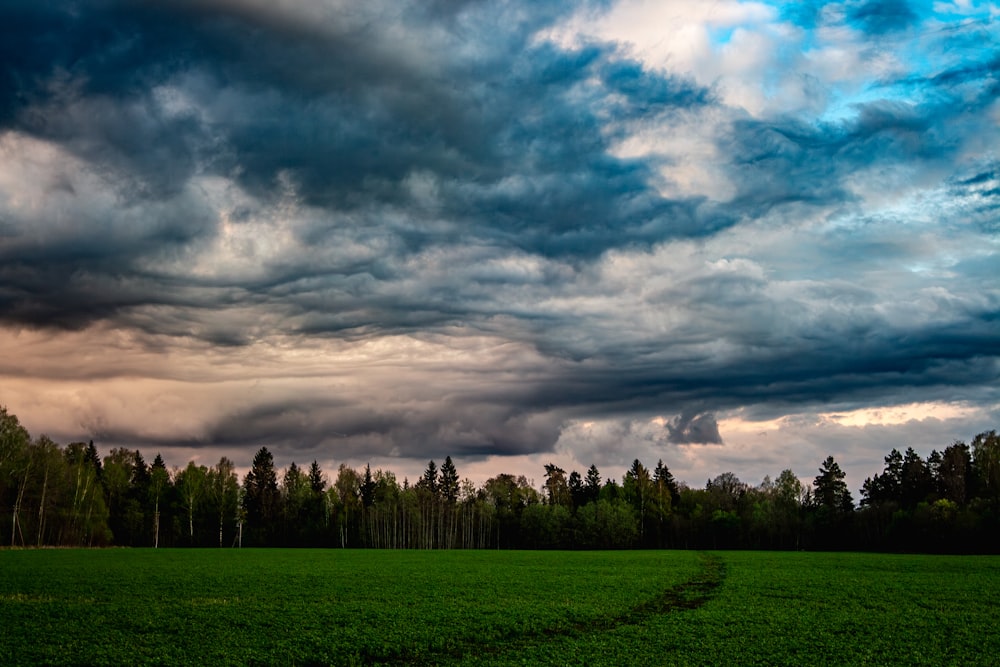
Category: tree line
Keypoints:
(69, 495)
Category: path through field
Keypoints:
(684, 596)
(495, 608)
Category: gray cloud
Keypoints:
(232, 174)
(694, 429)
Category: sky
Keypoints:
(734, 236)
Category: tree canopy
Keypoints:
(70, 495)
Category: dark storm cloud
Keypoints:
(434, 419)
(469, 427)
(438, 169)
(694, 429)
(516, 136)
(837, 358)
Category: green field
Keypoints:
(495, 607)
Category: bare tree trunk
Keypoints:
(87, 498)
(16, 520)
(77, 501)
(87, 531)
(41, 503)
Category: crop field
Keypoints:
(336, 607)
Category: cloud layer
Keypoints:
(407, 230)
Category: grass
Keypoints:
(487, 607)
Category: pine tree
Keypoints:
(448, 480)
(638, 488)
(576, 489)
(832, 494)
(94, 458)
(429, 480)
(917, 480)
(316, 481)
(448, 483)
(427, 490)
(318, 516)
(367, 488)
(955, 474)
(662, 477)
(261, 499)
(592, 484)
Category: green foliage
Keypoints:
(53, 495)
(448, 481)
(607, 524)
(794, 608)
(170, 606)
(262, 499)
(307, 606)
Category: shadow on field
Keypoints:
(687, 595)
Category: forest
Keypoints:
(55, 495)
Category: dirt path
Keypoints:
(686, 595)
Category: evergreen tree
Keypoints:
(610, 491)
(886, 487)
(955, 473)
(448, 488)
(427, 494)
(934, 460)
(429, 480)
(448, 479)
(577, 491)
(592, 484)
(94, 458)
(126, 486)
(141, 500)
(832, 493)
(261, 499)
(367, 488)
(318, 515)
(917, 482)
(663, 477)
(295, 494)
(316, 480)
(664, 491)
